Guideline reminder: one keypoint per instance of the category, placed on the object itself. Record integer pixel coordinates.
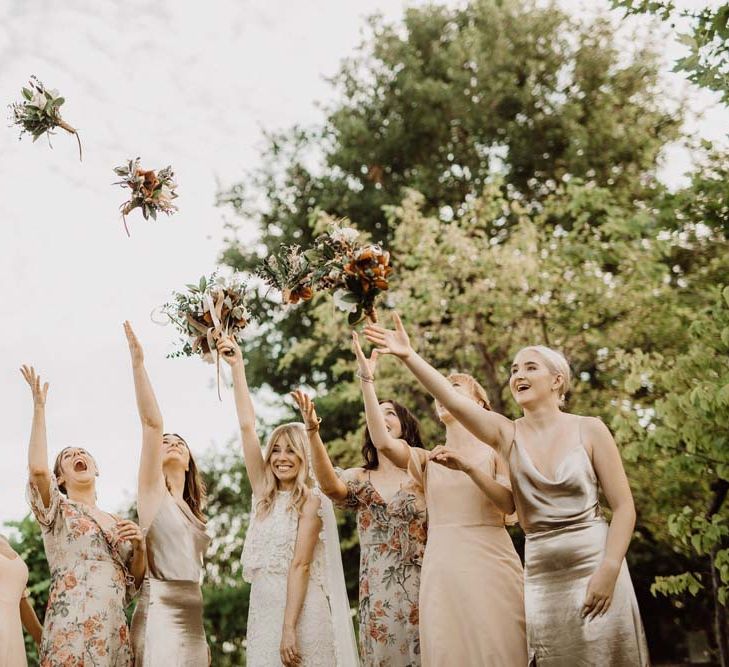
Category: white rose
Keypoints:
(38, 100)
(345, 234)
(341, 304)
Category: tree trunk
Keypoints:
(721, 488)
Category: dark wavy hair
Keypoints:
(410, 433)
(195, 493)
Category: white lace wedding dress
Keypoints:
(267, 554)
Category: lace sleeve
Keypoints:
(46, 516)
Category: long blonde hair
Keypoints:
(293, 434)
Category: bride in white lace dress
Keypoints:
(298, 612)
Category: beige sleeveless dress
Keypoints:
(565, 541)
(13, 577)
(471, 585)
(167, 626)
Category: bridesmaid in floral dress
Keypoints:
(391, 522)
(96, 559)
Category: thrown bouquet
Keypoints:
(152, 192)
(202, 313)
(356, 274)
(39, 112)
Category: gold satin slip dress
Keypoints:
(565, 540)
(167, 627)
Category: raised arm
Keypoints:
(252, 455)
(298, 580)
(395, 449)
(329, 482)
(611, 475)
(488, 426)
(151, 483)
(38, 469)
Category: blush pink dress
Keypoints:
(472, 585)
(13, 578)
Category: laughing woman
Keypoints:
(580, 604)
(96, 559)
(299, 614)
(167, 628)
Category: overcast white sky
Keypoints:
(174, 82)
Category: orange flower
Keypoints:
(69, 581)
(150, 181)
(414, 617)
(123, 633)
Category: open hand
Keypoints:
(306, 408)
(39, 391)
(229, 350)
(135, 347)
(390, 341)
(366, 366)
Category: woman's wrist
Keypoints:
(365, 377)
(313, 427)
(611, 563)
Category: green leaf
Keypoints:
(27, 94)
(58, 101)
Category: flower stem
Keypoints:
(63, 124)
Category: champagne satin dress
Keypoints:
(565, 540)
(13, 577)
(471, 586)
(167, 627)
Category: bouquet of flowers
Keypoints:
(151, 192)
(356, 274)
(206, 311)
(39, 113)
(290, 272)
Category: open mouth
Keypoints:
(522, 386)
(80, 466)
(283, 467)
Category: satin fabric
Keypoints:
(13, 578)
(167, 626)
(565, 542)
(471, 586)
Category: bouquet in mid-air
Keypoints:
(205, 311)
(290, 272)
(355, 273)
(40, 112)
(150, 191)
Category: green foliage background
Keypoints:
(506, 154)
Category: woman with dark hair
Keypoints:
(167, 627)
(391, 523)
(96, 559)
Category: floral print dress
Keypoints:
(85, 623)
(392, 538)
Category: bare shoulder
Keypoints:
(596, 435)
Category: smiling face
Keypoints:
(175, 451)
(75, 467)
(392, 421)
(284, 460)
(532, 381)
